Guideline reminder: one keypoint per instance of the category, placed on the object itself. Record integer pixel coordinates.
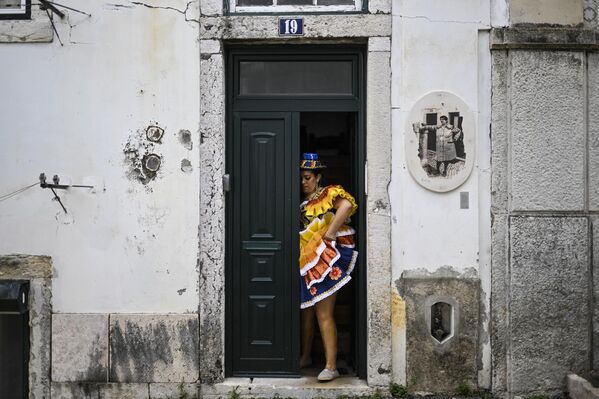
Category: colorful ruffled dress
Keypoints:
(325, 266)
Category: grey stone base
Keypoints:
(435, 365)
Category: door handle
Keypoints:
(227, 182)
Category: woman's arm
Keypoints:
(344, 208)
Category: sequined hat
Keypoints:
(311, 162)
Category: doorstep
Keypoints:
(303, 387)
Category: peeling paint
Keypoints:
(140, 157)
(185, 139)
(186, 166)
(398, 312)
(154, 133)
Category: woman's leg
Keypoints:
(307, 334)
(328, 330)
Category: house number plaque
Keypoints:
(291, 26)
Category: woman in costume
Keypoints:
(327, 258)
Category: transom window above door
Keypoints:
(277, 6)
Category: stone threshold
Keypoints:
(303, 387)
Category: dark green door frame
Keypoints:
(244, 106)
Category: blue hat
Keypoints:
(311, 162)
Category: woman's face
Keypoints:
(309, 181)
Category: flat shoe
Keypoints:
(328, 375)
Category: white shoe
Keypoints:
(328, 375)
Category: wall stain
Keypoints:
(135, 351)
(186, 166)
(398, 312)
(185, 139)
(141, 159)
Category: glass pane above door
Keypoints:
(289, 78)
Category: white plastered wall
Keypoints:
(440, 46)
(70, 110)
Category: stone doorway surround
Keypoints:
(372, 28)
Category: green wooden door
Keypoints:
(264, 243)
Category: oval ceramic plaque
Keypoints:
(440, 136)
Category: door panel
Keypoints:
(264, 250)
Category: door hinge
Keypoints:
(226, 183)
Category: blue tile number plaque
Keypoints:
(291, 26)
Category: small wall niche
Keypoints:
(441, 321)
(442, 315)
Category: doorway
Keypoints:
(282, 101)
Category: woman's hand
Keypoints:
(344, 208)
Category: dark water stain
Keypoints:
(135, 350)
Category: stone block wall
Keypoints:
(545, 163)
(120, 355)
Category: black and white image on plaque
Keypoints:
(439, 141)
(441, 144)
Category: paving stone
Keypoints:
(549, 308)
(154, 348)
(80, 347)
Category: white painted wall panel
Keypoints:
(429, 229)
(437, 46)
(70, 110)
